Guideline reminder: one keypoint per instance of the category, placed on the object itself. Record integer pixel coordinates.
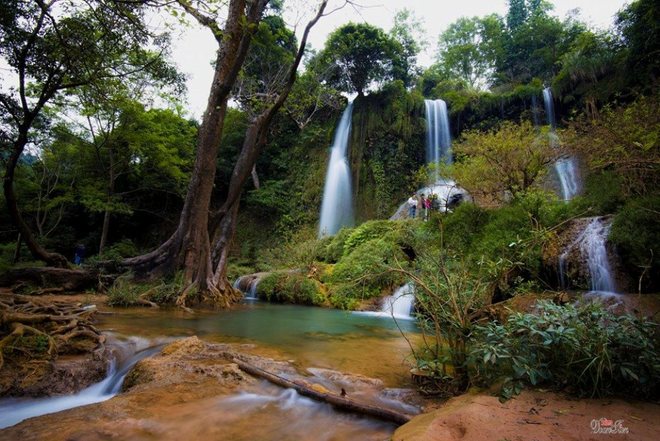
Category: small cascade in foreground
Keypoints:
(248, 288)
(566, 168)
(15, 410)
(438, 136)
(399, 305)
(337, 203)
(591, 243)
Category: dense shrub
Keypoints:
(291, 287)
(460, 227)
(636, 235)
(586, 349)
(126, 292)
(334, 250)
(366, 269)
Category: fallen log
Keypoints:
(337, 401)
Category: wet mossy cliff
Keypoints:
(387, 148)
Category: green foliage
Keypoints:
(356, 55)
(365, 270)
(447, 291)
(461, 226)
(271, 52)
(625, 140)
(603, 193)
(387, 230)
(587, 349)
(639, 22)
(502, 163)
(469, 48)
(334, 250)
(291, 287)
(119, 250)
(407, 32)
(636, 235)
(126, 292)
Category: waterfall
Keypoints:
(337, 205)
(593, 248)
(566, 168)
(399, 304)
(249, 290)
(592, 245)
(438, 136)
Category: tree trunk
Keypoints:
(189, 248)
(39, 253)
(224, 219)
(17, 251)
(111, 190)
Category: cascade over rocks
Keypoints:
(564, 260)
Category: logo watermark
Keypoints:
(606, 426)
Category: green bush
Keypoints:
(586, 349)
(290, 287)
(334, 250)
(636, 234)
(460, 227)
(126, 292)
(343, 296)
(366, 268)
(603, 193)
(370, 230)
(6, 256)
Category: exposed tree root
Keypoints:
(32, 328)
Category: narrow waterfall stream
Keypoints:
(337, 202)
(438, 135)
(591, 243)
(593, 247)
(566, 167)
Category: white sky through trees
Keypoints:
(194, 47)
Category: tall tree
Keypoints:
(196, 248)
(52, 46)
(469, 49)
(639, 24)
(408, 32)
(189, 247)
(358, 55)
(223, 222)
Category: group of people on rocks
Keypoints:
(425, 204)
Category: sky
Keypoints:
(194, 47)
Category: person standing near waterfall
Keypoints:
(412, 206)
(426, 202)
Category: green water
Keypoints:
(320, 337)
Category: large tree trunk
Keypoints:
(39, 253)
(189, 248)
(224, 219)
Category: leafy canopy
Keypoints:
(358, 55)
